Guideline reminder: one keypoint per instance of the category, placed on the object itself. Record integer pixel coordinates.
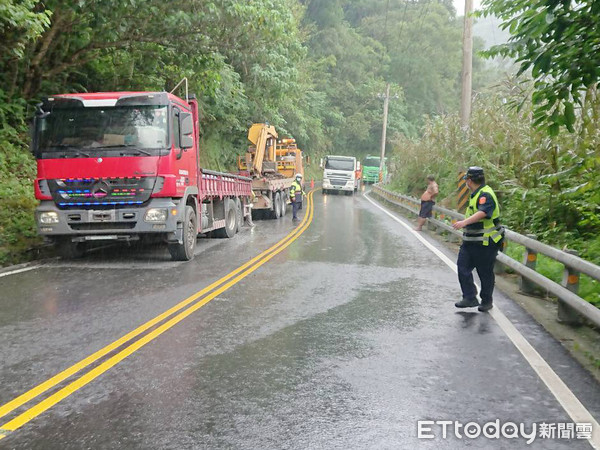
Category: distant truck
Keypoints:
(341, 173)
(120, 166)
(272, 165)
(371, 166)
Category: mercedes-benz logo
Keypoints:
(100, 190)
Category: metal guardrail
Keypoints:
(571, 307)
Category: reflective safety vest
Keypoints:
(491, 228)
(295, 189)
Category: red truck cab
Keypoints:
(122, 165)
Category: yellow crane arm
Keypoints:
(264, 138)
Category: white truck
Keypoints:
(341, 173)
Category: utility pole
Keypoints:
(386, 102)
(467, 69)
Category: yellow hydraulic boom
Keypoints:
(264, 139)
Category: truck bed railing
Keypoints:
(571, 307)
(219, 184)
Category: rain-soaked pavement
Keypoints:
(345, 339)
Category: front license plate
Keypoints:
(108, 237)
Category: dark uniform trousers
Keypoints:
(296, 204)
(474, 255)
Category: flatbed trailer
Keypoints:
(270, 197)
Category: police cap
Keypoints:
(474, 172)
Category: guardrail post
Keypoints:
(530, 260)
(570, 280)
(430, 225)
(498, 266)
(440, 217)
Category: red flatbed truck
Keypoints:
(119, 166)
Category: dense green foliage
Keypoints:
(557, 40)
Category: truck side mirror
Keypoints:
(186, 128)
(39, 115)
(321, 163)
(33, 137)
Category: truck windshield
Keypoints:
(371, 162)
(139, 130)
(339, 164)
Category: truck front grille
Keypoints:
(102, 226)
(101, 193)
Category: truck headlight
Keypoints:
(48, 217)
(156, 215)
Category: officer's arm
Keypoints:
(479, 215)
(486, 205)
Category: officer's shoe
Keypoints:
(467, 303)
(485, 306)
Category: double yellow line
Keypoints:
(213, 291)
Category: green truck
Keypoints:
(371, 169)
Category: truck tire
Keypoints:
(239, 214)
(277, 205)
(230, 221)
(324, 191)
(68, 249)
(185, 250)
(283, 203)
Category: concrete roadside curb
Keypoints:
(23, 267)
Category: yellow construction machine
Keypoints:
(272, 165)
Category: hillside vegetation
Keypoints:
(315, 69)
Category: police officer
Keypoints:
(482, 237)
(296, 194)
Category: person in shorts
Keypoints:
(427, 202)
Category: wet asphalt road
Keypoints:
(345, 339)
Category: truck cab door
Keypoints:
(184, 161)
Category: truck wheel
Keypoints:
(283, 204)
(230, 221)
(277, 205)
(239, 214)
(185, 250)
(324, 191)
(68, 249)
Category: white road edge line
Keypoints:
(13, 272)
(559, 389)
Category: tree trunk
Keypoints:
(29, 87)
